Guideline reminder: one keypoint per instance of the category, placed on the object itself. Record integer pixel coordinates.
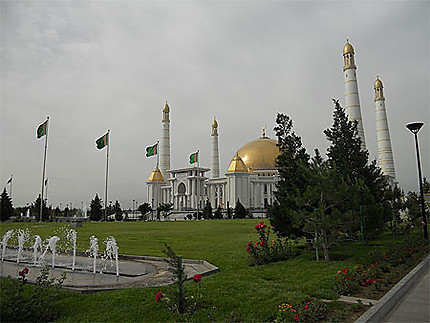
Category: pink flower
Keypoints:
(338, 272)
(158, 296)
(248, 246)
(197, 278)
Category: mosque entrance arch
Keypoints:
(182, 197)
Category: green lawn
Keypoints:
(252, 292)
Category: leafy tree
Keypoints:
(164, 208)
(144, 209)
(426, 186)
(292, 163)
(321, 202)
(6, 207)
(350, 161)
(118, 211)
(35, 209)
(207, 211)
(96, 209)
(413, 207)
(239, 211)
(397, 205)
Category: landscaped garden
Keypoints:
(240, 290)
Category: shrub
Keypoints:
(21, 302)
(309, 311)
(267, 250)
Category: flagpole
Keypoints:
(43, 172)
(46, 184)
(158, 158)
(107, 173)
(10, 187)
(198, 183)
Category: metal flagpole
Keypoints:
(46, 185)
(198, 183)
(43, 172)
(10, 187)
(107, 172)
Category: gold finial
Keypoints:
(264, 132)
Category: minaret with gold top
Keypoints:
(385, 152)
(214, 151)
(165, 142)
(352, 101)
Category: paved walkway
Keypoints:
(415, 305)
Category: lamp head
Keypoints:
(414, 127)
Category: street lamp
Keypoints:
(133, 210)
(415, 127)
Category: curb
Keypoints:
(394, 295)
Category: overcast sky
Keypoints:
(98, 65)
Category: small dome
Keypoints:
(237, 165)
(214, 123)
(348, 48)
(156, 176)
(259, 154)
(166, 107)
(378, 83)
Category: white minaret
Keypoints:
(214, 151)
(385, 152)
(165, 142)
(352, 101)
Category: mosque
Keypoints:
(252, 174)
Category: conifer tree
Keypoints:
(96, 209)
(35, 209)
(6, 207)
(371, 199)
(292, 162)
(239, 210)
(207, 211)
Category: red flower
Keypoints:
(158, 296)
(338, 272)
(248, 246)
(345, 270)
(197, 278)
(20, 273)
(25, 270)
(363, 283)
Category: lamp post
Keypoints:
(134, 216)
(415, 127)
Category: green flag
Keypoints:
(41, 130)
(152, 150)
(102, 141)
(194, 158)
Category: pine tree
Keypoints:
(292, 162)
(239, 211)
(6, 207)
(96, 209)
(350, 161)
(118, 212)
(35, 209)
(207, 211)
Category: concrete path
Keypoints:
(415, 306)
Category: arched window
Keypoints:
(181, 189)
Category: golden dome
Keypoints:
(215, 123)
(237, 165)
(156, 176)
(259, 154)
(348, 48)
(166, 107)
(378, 83)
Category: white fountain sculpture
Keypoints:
(36, 246)
(23, 237)
(112, 251)
(8, 234)
(94, 249)
(51, 244)
(72, 236)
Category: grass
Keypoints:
(251, 292)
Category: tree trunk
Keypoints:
(324, 244)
